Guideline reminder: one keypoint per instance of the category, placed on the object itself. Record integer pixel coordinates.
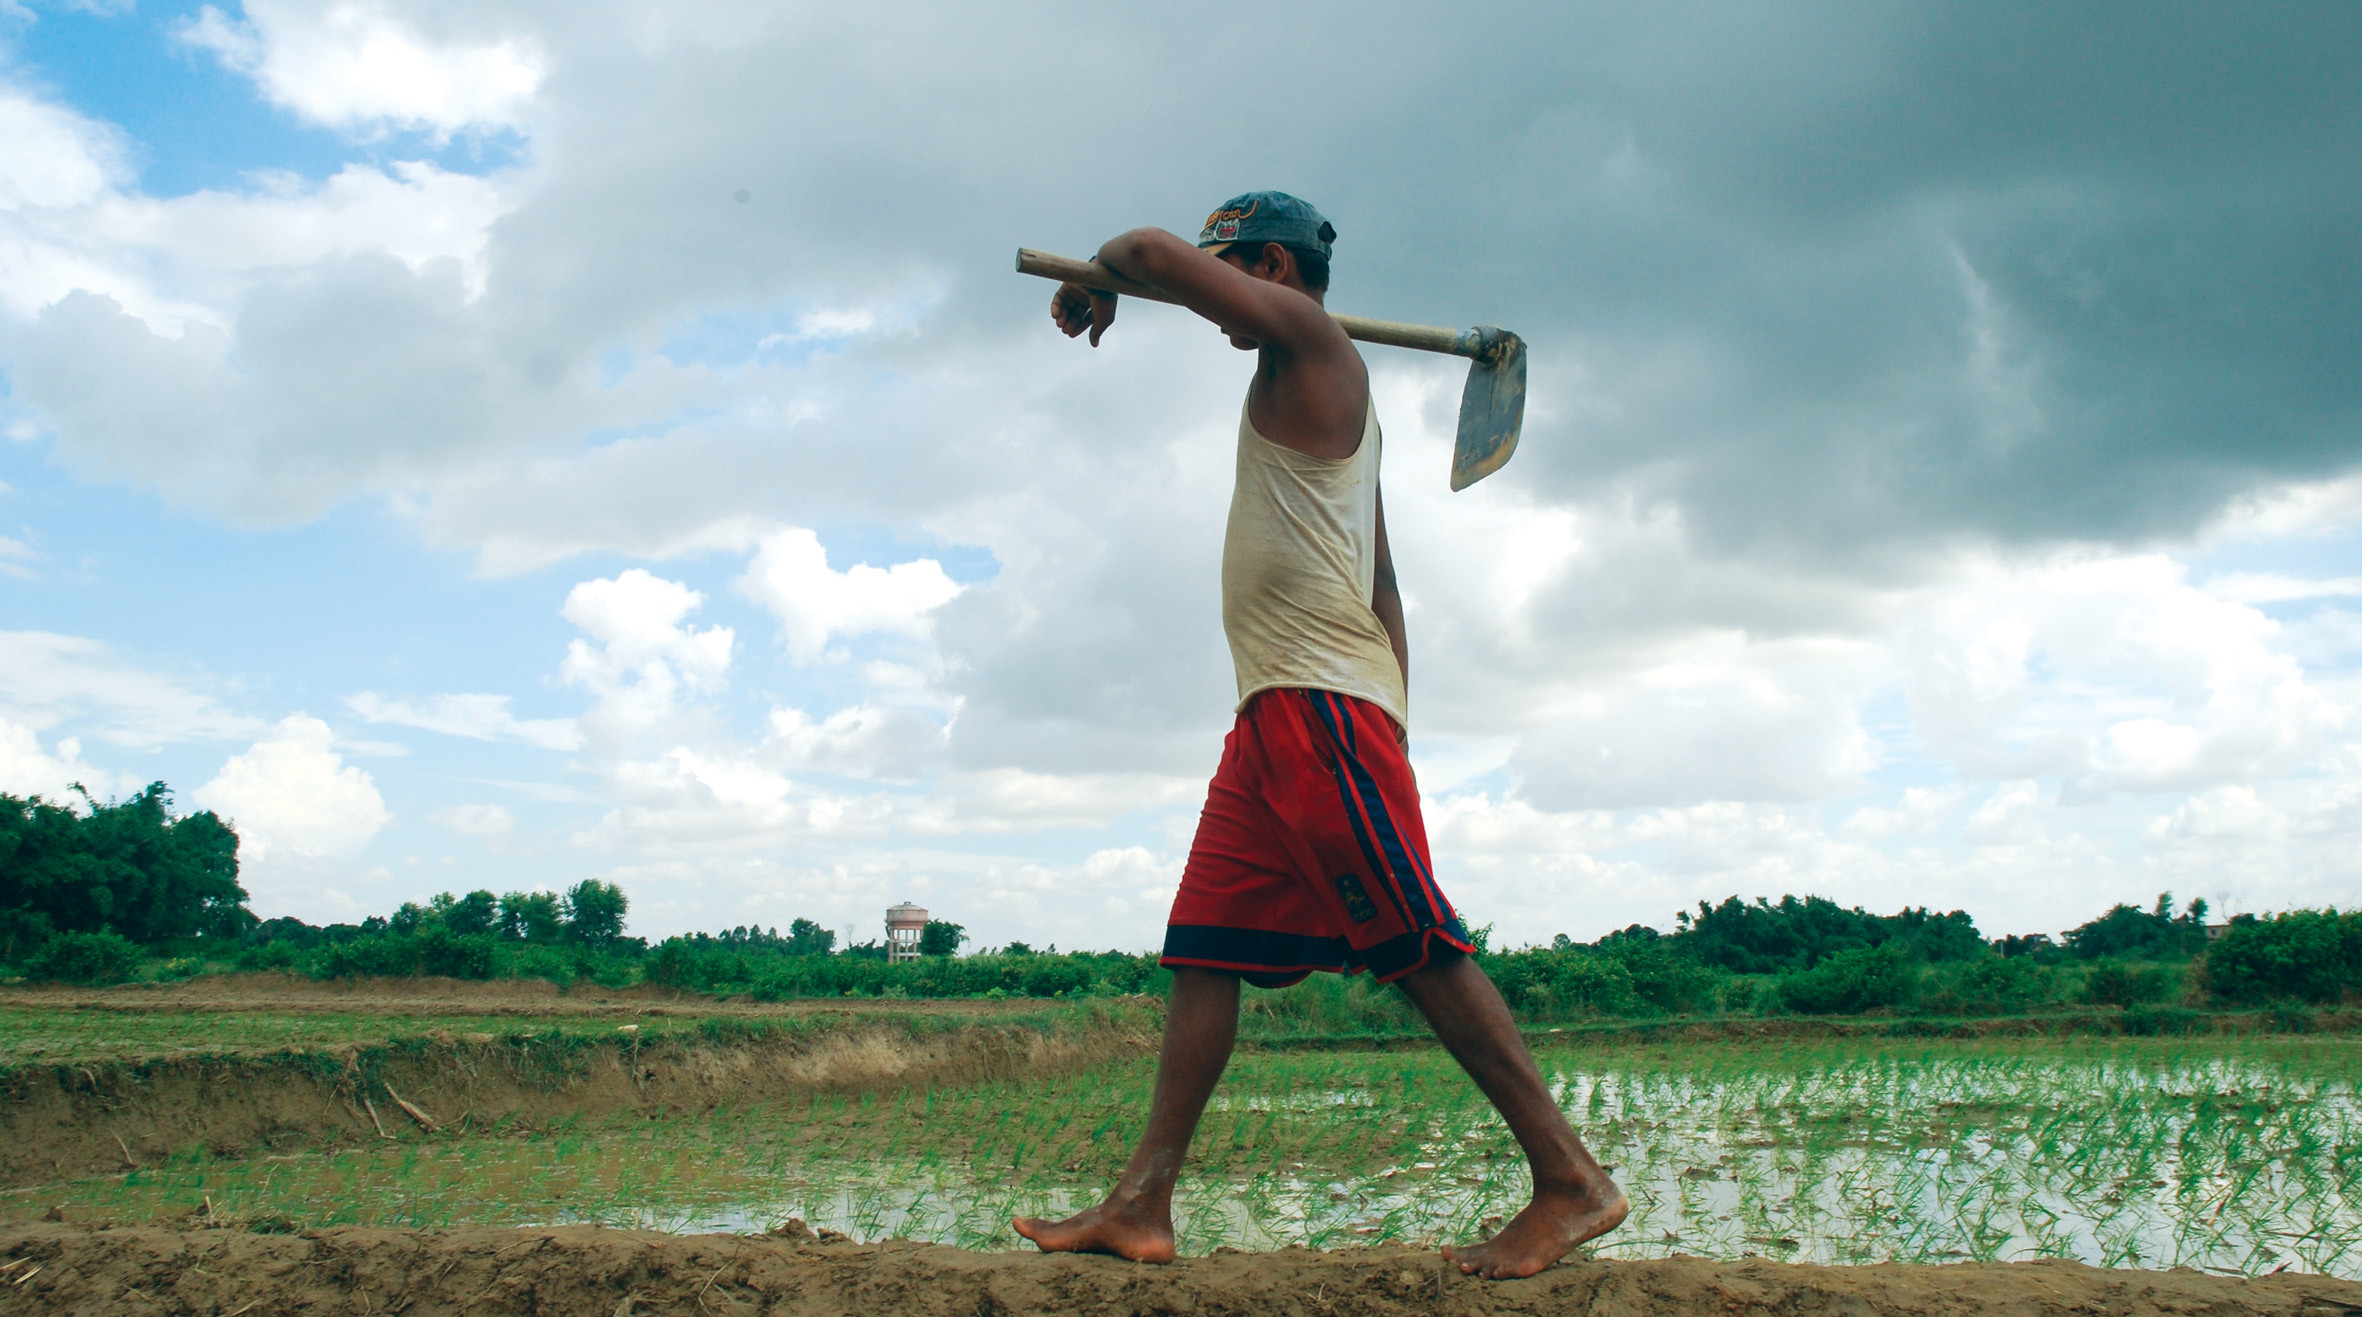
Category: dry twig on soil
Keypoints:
(415, 1113)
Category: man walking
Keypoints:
(1310, 854)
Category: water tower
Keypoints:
(905, 923)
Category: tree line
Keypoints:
(108, 890)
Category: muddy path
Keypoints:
(64, 1119)
(595, 1272)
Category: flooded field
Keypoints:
(2233, 1156)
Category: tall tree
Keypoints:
(127, 866)
(532, 916)
(594, 913)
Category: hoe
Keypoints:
(1492, 406)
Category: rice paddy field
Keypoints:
(2238, 1156)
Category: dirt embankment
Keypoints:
(428, 996)
(594, 1272)
(63, 1120)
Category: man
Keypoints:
(1310, 854)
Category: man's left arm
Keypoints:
(1386, 602)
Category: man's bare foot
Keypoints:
(1547, 1230)
(1140, 1233)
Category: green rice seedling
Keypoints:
(2239, 1156)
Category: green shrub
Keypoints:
(1562, 984)
(1748, 994)
(1050, 976)
(2290, 1017)
(89, 958)
(671, 965)
(2150, 1020)
(441, 951)
(2113, 982)
(1993, 985)
(2303, 955)
(1622, 977)
(269, 956)
(1850, 982)
(432, 950)
(1673, 984)
(1330, 1005)
(540, 960)
(710, 965)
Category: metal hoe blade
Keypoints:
(1492, 406)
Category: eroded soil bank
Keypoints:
(596, 1272)
(428, 995)
(63, 1120)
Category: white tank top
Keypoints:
(1299, 563)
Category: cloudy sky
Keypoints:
(492, 445)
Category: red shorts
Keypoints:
(1310, 854)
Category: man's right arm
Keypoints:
(1241, 304)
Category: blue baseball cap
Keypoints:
(1261, 217)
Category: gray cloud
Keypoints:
(1857, 274)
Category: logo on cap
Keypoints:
(1222, 225)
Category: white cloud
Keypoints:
(639, 660)
(47, 680)
(2113, 671)
(2285, 510)
(1013, 800)
(2279, 588)
(480, 717)
(411, 210)
(688, 802)
(862, 740)
(2010, 814)
(791, 577)
(57, 170)
(28, 770)
(292, 797)
(636, 619)
(17, 557)
(172, 262)
(71, 219)
(824, 324)
(1708, 725)
(2229, 813)
(52, 158)
(355, 65)
(1917, 812)
(476, 820)
(1116, 896)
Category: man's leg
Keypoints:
(1574, 1200)
(1136, 1220)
